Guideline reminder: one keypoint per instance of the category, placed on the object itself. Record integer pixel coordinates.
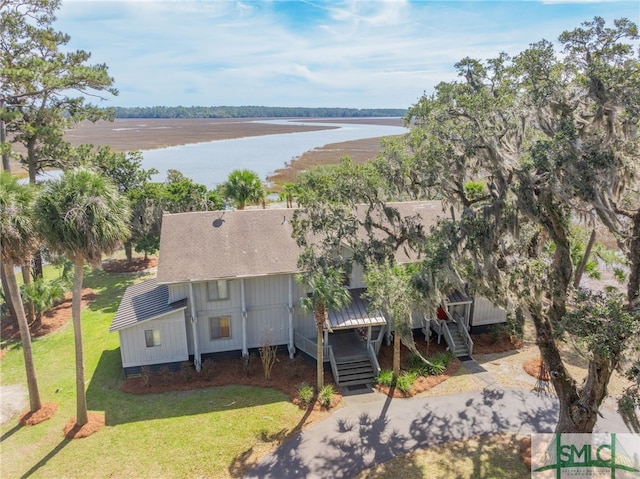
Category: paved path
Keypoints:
(13, 400)
(373, 428)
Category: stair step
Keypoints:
(362, 369)
(352, 359)
(358, 361)
(356, 382)
(356, 377)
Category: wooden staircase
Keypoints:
(354, 370)
(458, 348)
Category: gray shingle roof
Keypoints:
(230, 244)
(142, 302)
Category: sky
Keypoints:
(352, 54)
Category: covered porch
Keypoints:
(352, 340)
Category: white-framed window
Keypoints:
(152, 338)
(218, 290)
(220, 327)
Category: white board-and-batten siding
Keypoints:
(266, 302)
(178, 291)
(135, 352)
(485, 312)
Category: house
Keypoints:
(226, 286)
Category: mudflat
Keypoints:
(134, 134)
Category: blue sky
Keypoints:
(357, 54)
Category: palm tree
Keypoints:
(390, 288)
(243, 186)
(327, 293)
(81, 215)
(17, 241)
(289, 192)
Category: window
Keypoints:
(220, 327)
(218, 290)
(152, 338)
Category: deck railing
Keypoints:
(447, 336)
(373, 358)
(309, 346)
(377, 342)
(466, 338)
(334, 366)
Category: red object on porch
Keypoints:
(442, 314)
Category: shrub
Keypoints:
(44, 295)
(208, 366)
(435, 368)
(187, 371)
(165, 375)
(385, 378)
(305, 394)
(439, 363)
(498, 331)
(405, 382)
(417, 365)
(326, 396)
(268, 356)
(145, 374)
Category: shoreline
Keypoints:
(136, 134)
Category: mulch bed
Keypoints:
(123, 266)
(60, 314)
(46, 411)
(286, 375)
(51, 321)
(488, 343)
(534, 367)
(423, 383)
(73, 431)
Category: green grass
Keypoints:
(214, 432)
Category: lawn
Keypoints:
(213, 432)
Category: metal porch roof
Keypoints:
(356, 314)
(142, 302)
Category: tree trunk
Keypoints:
(6, 165)
(396, 353)
(320, 317)
(578, 406)
(633, 286)
(28, 281)
(128, 251)
(585, 259)
(31, 160)
(37, 264)
(7, 297)
(579, 414)
(25, 337)
(76, 303)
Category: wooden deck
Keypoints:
(346, 344)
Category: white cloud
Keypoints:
(352, 53)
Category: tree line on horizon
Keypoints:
(253, 112)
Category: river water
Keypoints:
(210, 163)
